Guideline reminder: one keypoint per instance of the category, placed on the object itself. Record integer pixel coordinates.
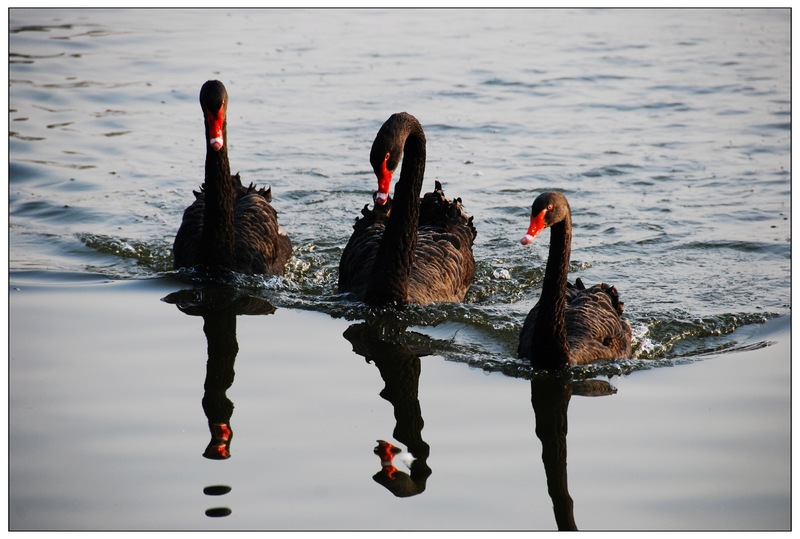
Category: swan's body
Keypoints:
(228, 225)
(407, 250)
(570, 324)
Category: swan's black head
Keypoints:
(214, 101)
(387, 150)
(548, 209)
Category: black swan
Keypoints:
(407, 250)
(577, 325)
(228, 225)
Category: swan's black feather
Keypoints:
(444, 266)
(261, 245)
(595, 328)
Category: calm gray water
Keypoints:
(669, 131)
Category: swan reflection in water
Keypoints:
(550, 395)
(396, 354)
(219, 306)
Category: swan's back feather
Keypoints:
(261, 246)
(443, 267)
(595, 327)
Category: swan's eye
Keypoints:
(549, 207)
(387, 156)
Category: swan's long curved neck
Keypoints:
(390, 273)
(219, 235)
(550, 332)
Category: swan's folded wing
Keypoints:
(595, 328)
(261, 243)
(526, 335)
(444, 266)
(358, 256)
(185, 248)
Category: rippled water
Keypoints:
(671, 140)
(669, 131)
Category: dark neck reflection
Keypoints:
(550, 395)
(219, 306)
(396, 354)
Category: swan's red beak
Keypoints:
(384, 184)
(216, 123)
(218, 447)
(537, 225)
(386, 452)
